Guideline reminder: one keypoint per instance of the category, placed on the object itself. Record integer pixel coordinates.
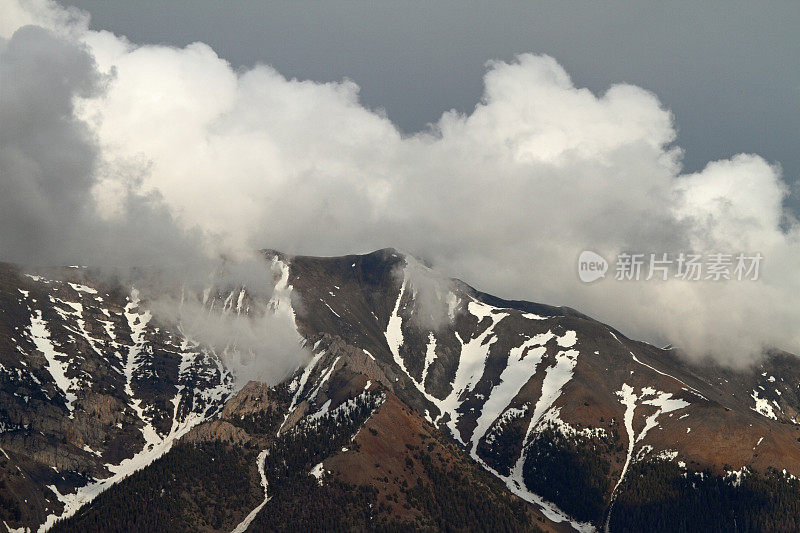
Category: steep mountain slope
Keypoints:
(424, 404)
(532, 391)
(90, 389)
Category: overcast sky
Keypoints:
(729, 71)
(174, 136)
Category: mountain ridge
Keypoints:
(526, 392)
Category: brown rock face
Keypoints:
(217, 430)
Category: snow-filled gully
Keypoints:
(522, 364)
(244, 524)
(664, 403)
(155, 445)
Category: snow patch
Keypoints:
(318, 471)
(568, 340)
(522, 363)
(58, 369)
(394, 331)
(244, 524)
(649, 396)
(82, 288)
(551, 419)
(471, 363)
(430, 356)
(763, 406)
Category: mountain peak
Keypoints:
(404, 366)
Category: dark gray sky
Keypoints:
(729, 71)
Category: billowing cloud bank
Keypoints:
(171, 150)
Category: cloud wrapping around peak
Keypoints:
(505, 197)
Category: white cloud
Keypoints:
(505, 197)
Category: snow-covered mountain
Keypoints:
(424, 403)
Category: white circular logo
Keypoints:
(591, 266)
